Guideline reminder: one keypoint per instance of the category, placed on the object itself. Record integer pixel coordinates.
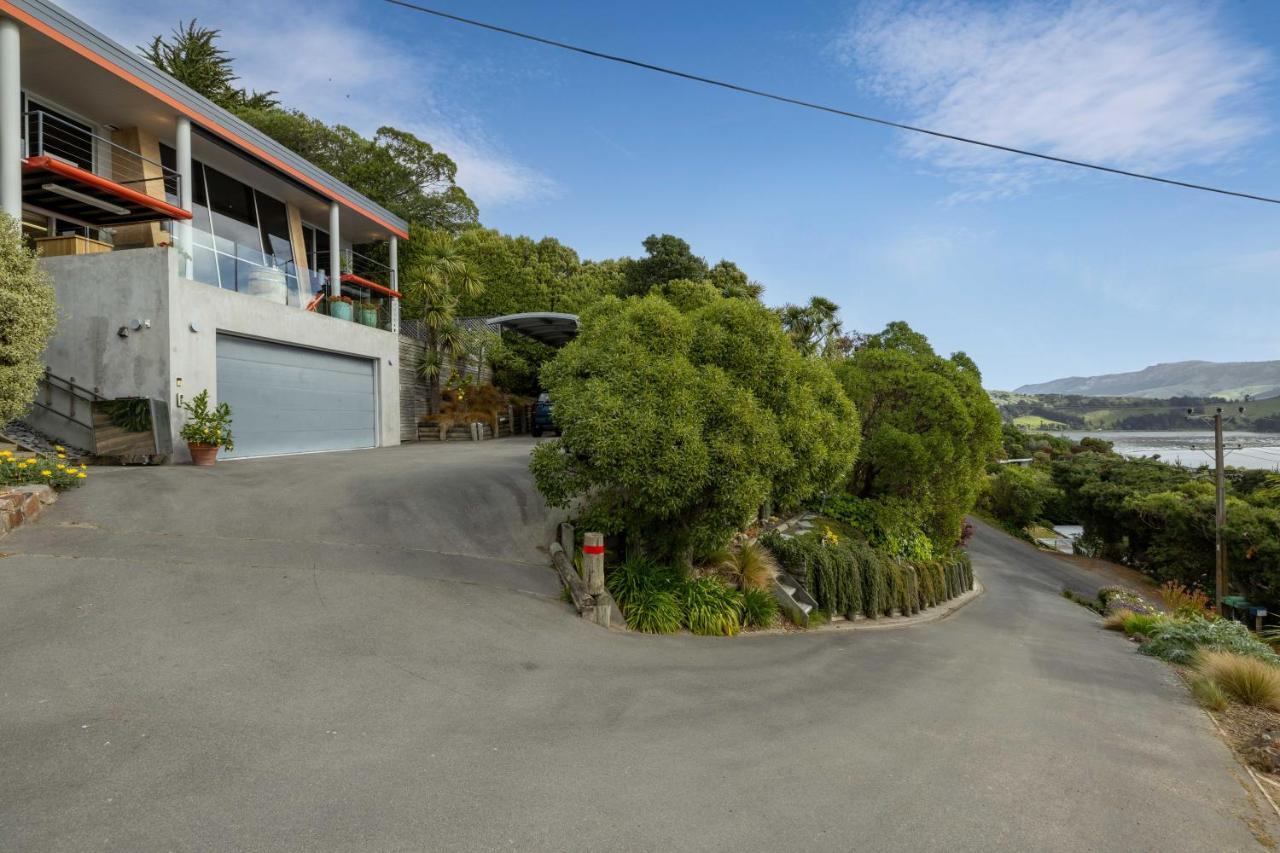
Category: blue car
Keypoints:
(542, 421)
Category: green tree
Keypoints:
(667, 258)
(732, 282)
(399, 171)
(192, 57)
(929, 429)
(678, 427)
(396, 169)
(435, 277)
(812, 327)
(27, 319)
(1019, 495)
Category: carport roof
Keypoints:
(548, 327)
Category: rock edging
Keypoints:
(20, 504)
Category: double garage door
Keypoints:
(287, 399)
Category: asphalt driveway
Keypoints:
(365, 651)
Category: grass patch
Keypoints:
(711, 607)
(751, 566)
(1115, 620)
(1207, 692)
(653, 611)
(1246, 679)
(1083, 600)
(759, 608)
(1142, 624)
(638, 575)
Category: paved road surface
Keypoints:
(364, 651)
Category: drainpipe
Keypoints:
(335, 251)
(393, 250)
(11, 134)
(182, 148)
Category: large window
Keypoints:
(316, 243)
(236, 228)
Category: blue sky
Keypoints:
(1035, 270)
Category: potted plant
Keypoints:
(339, 306)
(369, 313)
(206, 430)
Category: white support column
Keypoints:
(182, 149)
(394, 254)
(335, 250)
(10, 118)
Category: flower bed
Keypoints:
(53, 469)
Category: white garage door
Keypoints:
(288, 399)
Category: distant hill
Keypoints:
(1227, 379)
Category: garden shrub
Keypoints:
(750, 566)
(653, 611)
(1246, 679)
(759, 608)
(1114, 598)
(678, 427)
(1207, 692)
(1143, 624)
(1178, 640)
(637, 575)
(27, 319)
(711, 606)
(1114, 621)
(850, 577)
(1183, 602)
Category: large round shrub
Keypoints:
(677, 427)
(27, 319)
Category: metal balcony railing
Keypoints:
(48, 135)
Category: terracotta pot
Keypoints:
(203, 455)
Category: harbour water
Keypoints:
(1193, 448)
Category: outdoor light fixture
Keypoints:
(86, 199)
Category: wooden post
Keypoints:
(593, 562)
(565, 536)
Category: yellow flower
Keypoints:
(62, 456)
(81, 475)
(46, 473)
(60, 466)
(59, 448)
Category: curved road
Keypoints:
(365, 651)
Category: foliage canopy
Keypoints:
(678, 427)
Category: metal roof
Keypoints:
(78, 36)
(548, 327)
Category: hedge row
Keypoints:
(850, 578)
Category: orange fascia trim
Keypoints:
(36, 24)
(84, 176)
(351, 278)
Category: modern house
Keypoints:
(191, 251)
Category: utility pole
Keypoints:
(1220, 516)
(1220, 509)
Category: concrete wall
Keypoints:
(177, 354)
(97, 294)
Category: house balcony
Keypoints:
(366, 291)
(78, 176)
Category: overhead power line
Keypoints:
(773, 96)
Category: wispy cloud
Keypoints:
(335, 66)
(1153, 86)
